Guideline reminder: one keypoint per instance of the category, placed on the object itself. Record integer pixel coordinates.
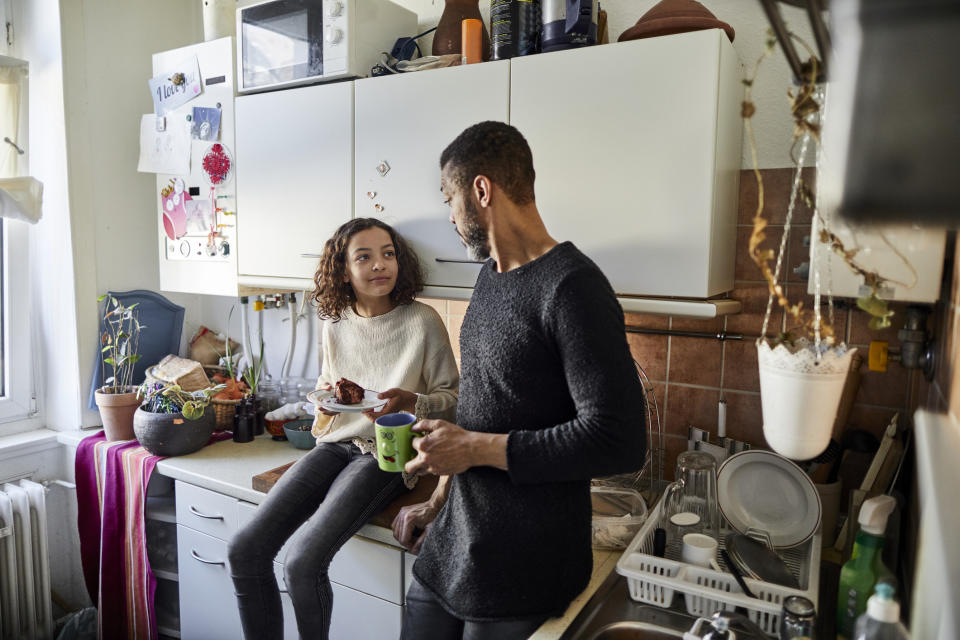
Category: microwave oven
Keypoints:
(285, 43)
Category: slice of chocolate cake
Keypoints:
(348, 392)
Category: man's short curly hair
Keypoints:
(496, 150)
(332, 295)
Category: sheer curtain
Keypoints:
(20, 196)
(11, 83)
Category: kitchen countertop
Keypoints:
(228, 467)
(604, 562)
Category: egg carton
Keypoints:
(657, 581)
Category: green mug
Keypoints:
(395, 440)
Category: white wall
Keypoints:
(37, 40)
(107, 47)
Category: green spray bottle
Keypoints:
(860, 574)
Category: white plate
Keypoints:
(765, 491)
(328, 401)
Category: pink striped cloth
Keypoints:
(112, 479)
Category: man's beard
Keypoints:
(473, 235)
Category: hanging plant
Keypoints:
(805, 108)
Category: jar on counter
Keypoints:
(269, 393)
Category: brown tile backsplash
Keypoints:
(651, 353)
(695, 361)
(776, 196)
(745, 268)
(744, 417)
(740, 370)
(687, 406)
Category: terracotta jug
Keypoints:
(446, 39)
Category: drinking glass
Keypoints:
(696, 475)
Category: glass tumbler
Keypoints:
(696, 475)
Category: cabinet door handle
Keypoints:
(193, 553)
(194, 511)
(459, 260)
(311, 255)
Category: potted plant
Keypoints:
(174, 422)
(802, 369)
(119, 343)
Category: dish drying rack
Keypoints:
(648, 480)
(657, 581)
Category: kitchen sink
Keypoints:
(612, 615)
(635, 631)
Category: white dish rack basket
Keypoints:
(657, 581)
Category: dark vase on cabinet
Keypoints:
(446, 40)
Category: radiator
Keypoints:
(25, 605)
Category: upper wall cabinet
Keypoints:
(294, 180)
(402, 124)
(636, 146)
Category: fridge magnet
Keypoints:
(175, 88)
(205, 123)
(174, 211)
(217, 165)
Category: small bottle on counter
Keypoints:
(244, 422)
(882, 618)
(797, 619)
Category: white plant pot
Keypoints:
(800, 396)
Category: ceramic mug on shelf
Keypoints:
(395, 436)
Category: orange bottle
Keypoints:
(471, 37)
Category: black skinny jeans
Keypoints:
(335, 489)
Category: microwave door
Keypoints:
(281, 43)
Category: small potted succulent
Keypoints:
(119, 342)
(174, 422)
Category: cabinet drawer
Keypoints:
(358, 616)
(208, 606)
(206, 511)
(370, 567)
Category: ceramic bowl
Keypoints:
(300, 439)
(170, 434)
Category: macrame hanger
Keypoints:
(794, 191)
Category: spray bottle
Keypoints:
(882, 619)
(861, 573)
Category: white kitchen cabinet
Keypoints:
(636, 146)
(294, 180)
(358, 616)
(402, 124)
(208, 607)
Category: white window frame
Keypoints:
(18, 404)
(18, 396)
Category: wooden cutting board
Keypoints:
(263, 482)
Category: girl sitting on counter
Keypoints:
(376, 334)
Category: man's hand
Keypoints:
(412, 523)
(397, 400)
(447, 449)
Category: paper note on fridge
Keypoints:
(166, 151)
(179, 85)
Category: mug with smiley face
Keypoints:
(395, 440)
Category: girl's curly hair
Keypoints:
(332, 295)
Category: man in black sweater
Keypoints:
(549, 398)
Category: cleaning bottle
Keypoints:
(882, 619)
(861, 573)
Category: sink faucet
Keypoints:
(720, 627)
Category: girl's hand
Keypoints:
(326, 386)
(397, 400)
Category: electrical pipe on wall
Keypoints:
(245, 330)
(288, 361)
(260, 306)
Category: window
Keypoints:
(17, 401)
(18, 406)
